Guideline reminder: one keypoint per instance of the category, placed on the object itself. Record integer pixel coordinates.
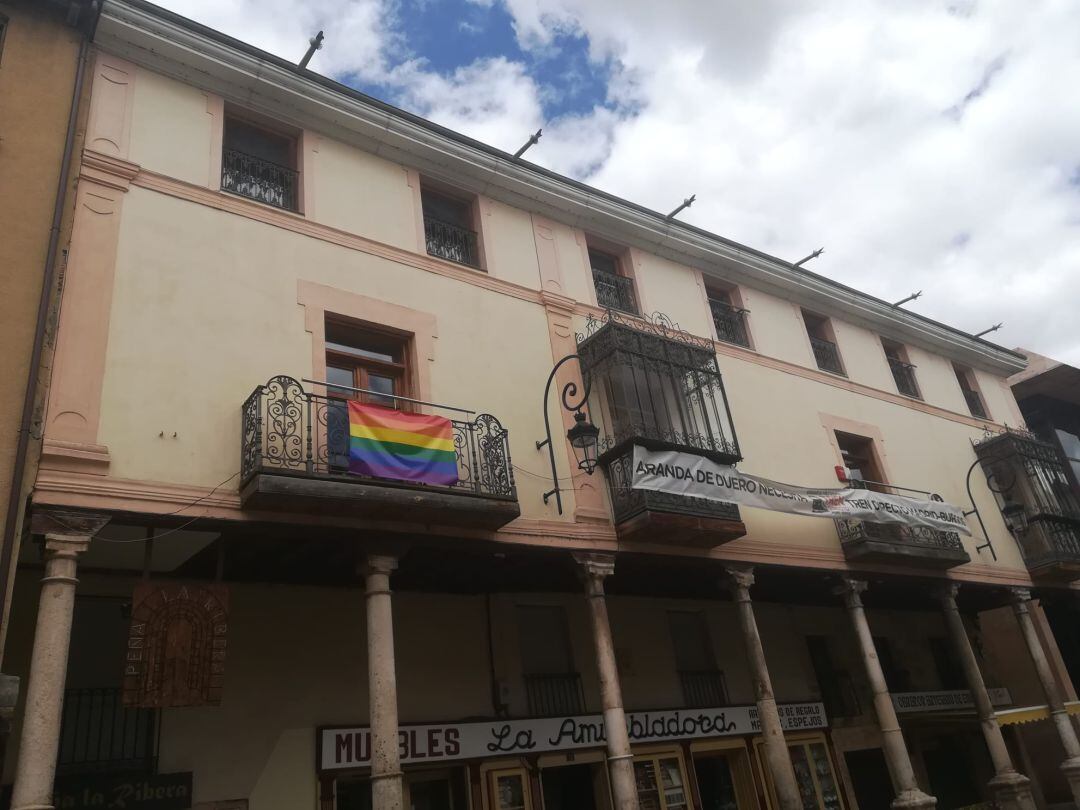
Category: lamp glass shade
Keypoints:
(583, 438)
(1015, 516)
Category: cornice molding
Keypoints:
(190, 53)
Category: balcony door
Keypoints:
(552, 685)
(364, 365)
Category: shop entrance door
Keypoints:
(869, 778)
(724, 780)
(569, 787)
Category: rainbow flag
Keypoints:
(386, 443)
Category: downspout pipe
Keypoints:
(48, 281)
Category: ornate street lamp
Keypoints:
(583, 435)
(1015, 514)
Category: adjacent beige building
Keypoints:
(255, 246)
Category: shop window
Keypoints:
(835, 684)
(552, 685)
(614, 288)
(661, 782)
(903, 371)
(823, 343)
(573, 787)
(815, 774)
(949, 671)
(860, 460)
(896, 676)
(450, 227)
(728, 317)
(724, 775)
(702, 682)
(965, 378)
(260, 163)
(510, 789)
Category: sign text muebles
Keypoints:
(680, 473)
(351, 747)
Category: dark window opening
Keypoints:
(259, 164)
(835, 684)
(702, 683)
(903, 372)
(975, 404)
(949, 670)
(860, 461)
(823, 343)
(552, 685)
(896, 677)
(729, 320)
(613, 289)
(449, 229)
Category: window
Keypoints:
(814, 773)
(729, 319)
(661, 782)
(965, 377)
(552, 685)
(823, 343)
(903, 372)
(949, 671)
(361, 364)
(510, 789)
(260, 163)
(835, 684)
(860, 460)
(702, 683)
(1070, 448)
(896, 677)
(614, 290)
(448, 228)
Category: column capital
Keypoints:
(739, 579)
(851, 590)
(67, 546)
(1019, 596)
(594, 569)
(380, 564)
(61, 523)
(946, 592)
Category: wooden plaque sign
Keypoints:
(176, 645)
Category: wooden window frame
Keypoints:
(803, 741)
(361, 367)
(874, 457)
(740, 763)
(491, 781)
(655, 754)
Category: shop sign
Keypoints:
(351, 747)
(161, 791)
(688, 474)
(907, 702)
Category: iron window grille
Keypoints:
(615, 292)
(730, 323)
(703, 689)
(852, 531)
(451, 242)
(904, 376)
(98, 734)
(554, 695)
(975, 403)
(285, 429)
(826, 355)
(259, 179)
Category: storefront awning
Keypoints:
(1029, 714)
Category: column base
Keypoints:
(1071, 769)
(1012, 791)
(913, 800)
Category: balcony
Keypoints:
(826, 355)
(730, 323)
(98, 734)
(975, 404)
(615, 292)
(451, 242)
(915, 546)
(904, 376)
(259, 179)
(703, 689)
(655, 386)
(295, 457)
(558, 695)
(1031, 472)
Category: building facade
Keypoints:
(225, 608)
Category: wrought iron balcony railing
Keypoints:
(98, 734)
(555, 695)
(975, 404)
(259, 179)
(451, 242)
(826, 355)
(730, 323)
(703, 689)
(856, 530)
(615, 292)
(288, 430)
(904, 375)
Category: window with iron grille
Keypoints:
(449, 230)
(834, 683)
(965, 378)
(613, 289)
(552, 685)
(728, 319)
(903, 372)
(260, 164)
(702, 682)
(823, 343)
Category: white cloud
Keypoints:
(926, 143)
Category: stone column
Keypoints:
(39, 743)
(595, 569)
(386, 779)
(908, 794)
(776, 750)
(1011, 790)
(1066, 733)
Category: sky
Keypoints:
(927, 145)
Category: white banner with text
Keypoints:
(439, 742)
(687, 474)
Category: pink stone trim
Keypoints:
(215, 110)
(108, 128)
